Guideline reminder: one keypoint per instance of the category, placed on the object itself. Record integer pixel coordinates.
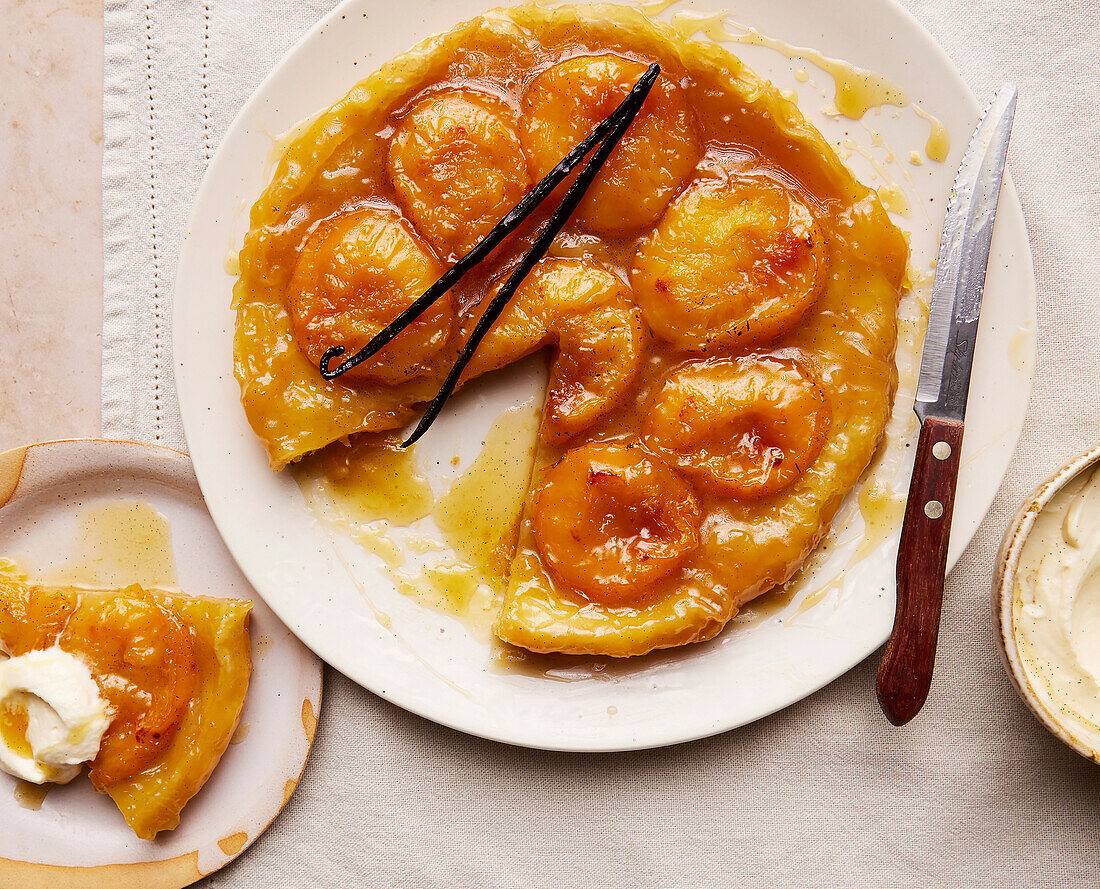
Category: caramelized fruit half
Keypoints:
(735, 262)
(565, 103)
(357, 272)
(612, 520)
(457, 167)
(746, 427)
(587, 311)
(143, 660)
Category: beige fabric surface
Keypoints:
(973, 793)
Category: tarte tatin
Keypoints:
(721, 311)
(173, 670)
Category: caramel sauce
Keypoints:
(478, 517)
(376, 479)
(481, 509)
(893, 195)
(894, 200)
(881, 508)
(118, 543)
(938, 145)
(380, 498)
(363, 490)
(31, 796)
(240, 734)
(710, 25)
(766, 606)
(450, 588)
(13, 726)
(856, 90)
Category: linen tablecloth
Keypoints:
(972, 793)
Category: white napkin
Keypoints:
(972, 793)
(174, 76)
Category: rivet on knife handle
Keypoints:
(905, 673)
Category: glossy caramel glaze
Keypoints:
(649, 166)
(747, 426)
(173, 669)
(457, 167)
(763, 245)
(610, 520)
(736, 261)
(587, 312)
(356, 273)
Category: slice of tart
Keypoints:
(172, 672)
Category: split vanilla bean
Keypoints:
(624, 115)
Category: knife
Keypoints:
(905, 673)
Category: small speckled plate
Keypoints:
(78, 839)
(1004, 583)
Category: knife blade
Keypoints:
(905, 673)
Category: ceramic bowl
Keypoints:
(1004, 582)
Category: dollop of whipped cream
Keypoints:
(65, 716)
(1056, 608)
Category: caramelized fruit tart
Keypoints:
(172, 671)
(720, 312)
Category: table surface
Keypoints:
(51, 280)
(50, 302)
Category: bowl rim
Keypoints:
(1003, 589)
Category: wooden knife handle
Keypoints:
(906, 669)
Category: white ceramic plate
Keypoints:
(331, 595)
(78, 838)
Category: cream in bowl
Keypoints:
(1047, 600)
